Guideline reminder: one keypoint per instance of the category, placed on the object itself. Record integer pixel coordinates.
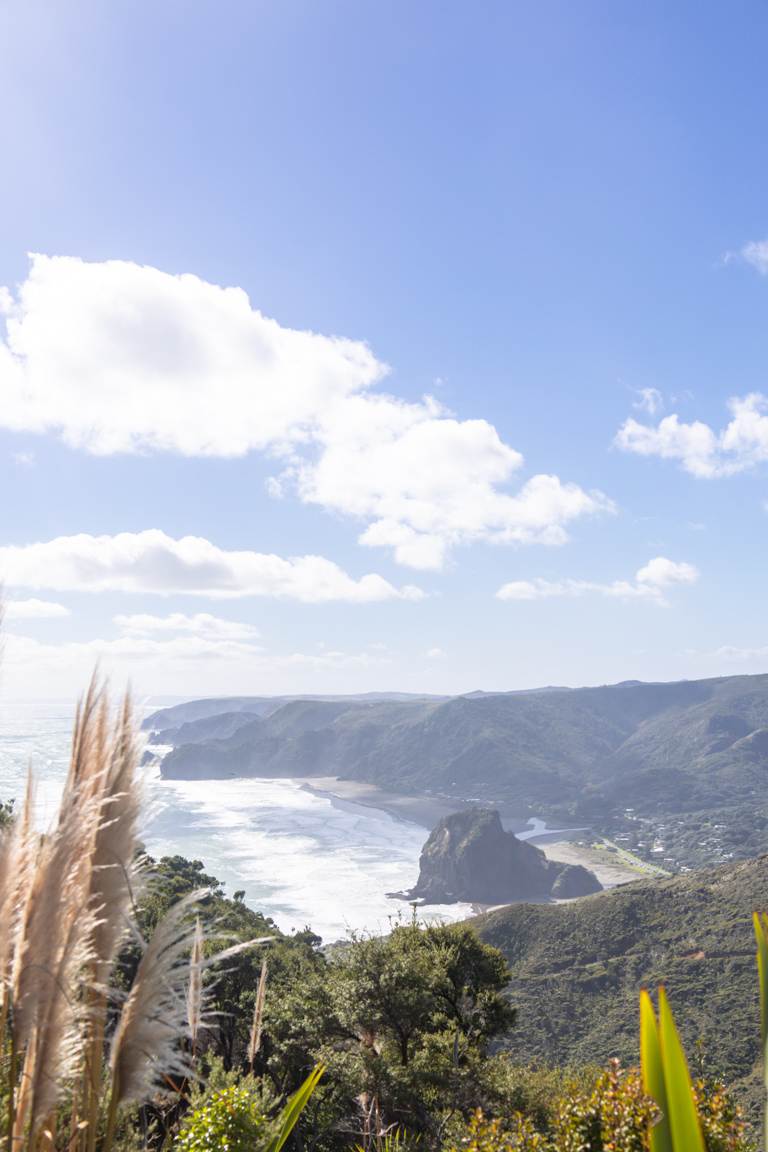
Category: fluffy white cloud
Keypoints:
(650, 583)
(741, 444)
(34, 610)
(202, 624)
(114, 357)
(153, 562)
(427, 482)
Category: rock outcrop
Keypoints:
(470, 857)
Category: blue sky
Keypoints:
(546, 216)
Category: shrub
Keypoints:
(232, 1118)
(614, 1115)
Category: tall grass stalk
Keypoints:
(254, 1041)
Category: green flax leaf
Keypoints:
(683, 1116)
(653, 1074)
(294, 1108)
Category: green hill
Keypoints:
(577, 969)
(690, 744)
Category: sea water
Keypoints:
(302, 858)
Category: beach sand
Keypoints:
(427, 810)
(422, 810)
(609, 872)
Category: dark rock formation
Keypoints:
(469, 856)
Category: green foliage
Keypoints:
(406, 1020)
(577, 970)
(721, 1119)
(616, 1115)
(613, 1115)
(517, 1134)
(235, 1113)
(407, 1023)
(418, 1009)
(392, 1140)
(292, 1110)
(760, 922)
(232, 1118)
(667, 1081)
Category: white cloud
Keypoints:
(435, 654)
(650, 583)
(34, 610)
(649, 400)
(703, 452)
(202, 625)
(24, 459)
(114, 357)
(755, 253)
(152, 562)
(427, 482)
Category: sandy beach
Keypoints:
(427, 810)
(610, 872)
(422, 810)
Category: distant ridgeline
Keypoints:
(687, 760)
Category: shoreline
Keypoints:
(426, 811)
(422, 810)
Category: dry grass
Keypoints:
(66, 906)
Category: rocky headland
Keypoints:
(470, 857)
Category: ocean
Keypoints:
(302, 858)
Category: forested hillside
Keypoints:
(576, 969)
(696, 748)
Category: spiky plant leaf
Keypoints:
(683, 1116)
(653, 1074)
(293, 1109)
(760, 921)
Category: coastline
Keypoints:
(422, 810)
(427, 810)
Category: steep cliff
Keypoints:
(469, 856)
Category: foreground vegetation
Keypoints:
(576, 970)
(141, 1007)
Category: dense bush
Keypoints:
(232, 1118)
(615, 1115)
